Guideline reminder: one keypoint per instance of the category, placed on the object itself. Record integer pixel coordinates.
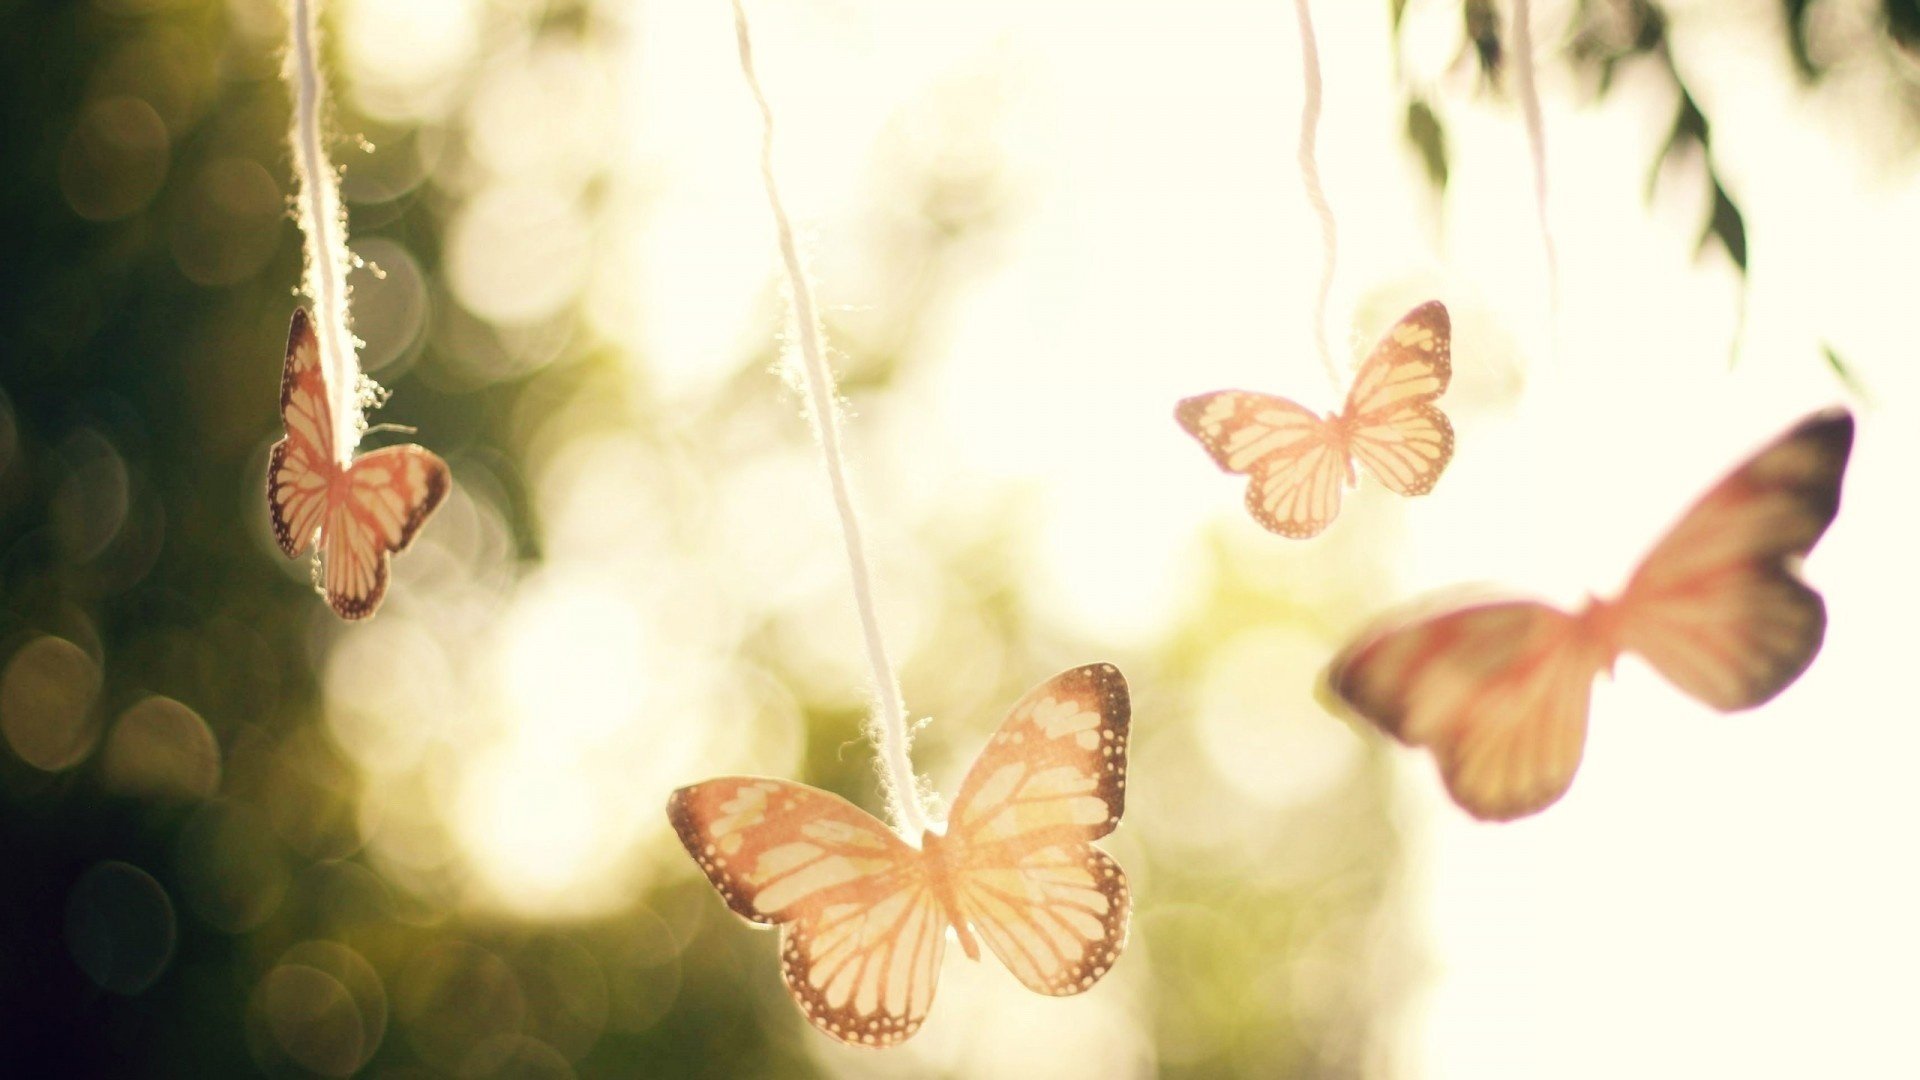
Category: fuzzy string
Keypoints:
(324, 225)
(888, 728)
(1536, 138)
(1310, 177)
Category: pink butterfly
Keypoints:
(363, 512)
(864, 917)
(1499, 691)
(1298, 462)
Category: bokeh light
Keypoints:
(120, 927)
(322, 1008)
(115, 159)
(159, 747)
(47, 694)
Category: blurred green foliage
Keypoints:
(1606, 34)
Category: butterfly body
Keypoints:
(1499, 692)
(939, 866)
(1298, 463)
(1599, 624)
(359, 513)
(1336, 430)
(864, 916)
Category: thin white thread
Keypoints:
(1536, 138)
(1310, 178)
(889, 725)
(324, 226)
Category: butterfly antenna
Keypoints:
(1310, 179)
(890, 723)
(323, 225)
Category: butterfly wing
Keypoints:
(1394, 428)
(1052, 906)
(1718, 606)
(1498, 692)
(387, 497)
(1289, 454)
(862, 932)
(300, 468)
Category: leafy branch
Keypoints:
(1607, 33)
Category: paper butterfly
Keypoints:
(364, 512)
(1299, 462)
(864, 917)
(1499, 691)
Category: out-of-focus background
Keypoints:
(240, 837)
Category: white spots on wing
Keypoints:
(780, 860)
(747, 808)
(1058, 920)
(306, 351)
(840, 988)
(901, 972)
(824, 874)
(1082, 923)
(748, 799)
(1269, 433)
(865, 974)
(304, 421)
(1087, 810)
(1219, 410)
(1040, 954)
(868, 998)
(1064, 716)
(997, 789)
(354, 569)
(1048, 810)
(1414, 336)
(843, 834)
(1061, 780)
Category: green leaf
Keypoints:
(1903, 22)
(1725, 222)
(1430, 139)
(1726, 225)
(1847, 378)
(1689, 129)
(1483, 29)
(1796, 13)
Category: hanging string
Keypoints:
(1536, 138)
(888, 727)
(323, 223)
(1310, 178)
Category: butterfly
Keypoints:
(1298, 461)
(1499, 691)
(363, 512)
(864, 917)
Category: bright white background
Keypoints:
(1730, 896)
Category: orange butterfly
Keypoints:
(864, 917)
(1499, 691)
(1298, 461)
(364, 512)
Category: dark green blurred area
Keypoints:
(188, 889)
